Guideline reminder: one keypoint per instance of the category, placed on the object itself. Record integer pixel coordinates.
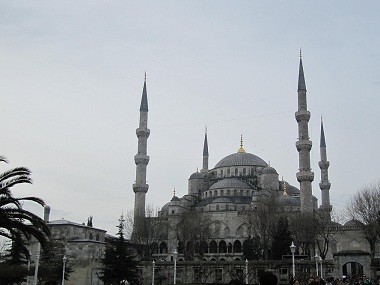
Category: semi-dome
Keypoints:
(269, 170)
(287, 200)
(229, 183)
(241, 159)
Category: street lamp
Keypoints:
(246, 271)
(153, 263)
(37, 263)
(321, 260)
(175, 254)
(293, 251)
(64, 259)
(316, 257)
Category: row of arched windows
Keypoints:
(203, 247)
(228, 192)
(231, 172)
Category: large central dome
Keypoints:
(242, 159)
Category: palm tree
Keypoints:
(16, 223)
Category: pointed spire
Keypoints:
(144, 98)
(301, 76)
(241, 149)
(323, 141)
(205, 144)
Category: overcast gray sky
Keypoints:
(72, 72)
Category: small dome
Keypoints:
(241, 159)
(290, 189)
(269, 170)
(229, 183)
(353, 223)
(196, 175)
(287, 200)
(175, 199)
(165, 207)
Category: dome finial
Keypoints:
(301, 53)
(145, 76)
(174, 192)
(284, 184)
(241, 149)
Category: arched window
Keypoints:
(237, 246)
(228, 192)
(215, 193)
(213, 247)
(97, 237)
(221, 173)
(181, 247)
(222, 247)
(91, 237)
(228, 172)
(154, 248)
(163, 247)
(221, 192)
(236, 172)
(244, 171)
(204, 247)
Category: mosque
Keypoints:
(238, 182)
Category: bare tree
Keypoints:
(146, 232)
(364, 207)
(304, 227)
(192, 231)
(262, 220)
(328, 225)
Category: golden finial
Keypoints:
(283, 182)
(269, 163)
(301, 53)
(241, 149)
(145, 76)
(174, 192)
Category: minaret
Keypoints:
(324, 164)
(304, 176)
(205, 154)
(141, 158)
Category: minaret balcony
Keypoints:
(144, 133)
(141, 159)
(304, 145)
(302, 116)
(324, 185)
(324, 164)
(140, 187)
(305, 176)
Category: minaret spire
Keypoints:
(205, 154)
(304, 176)
(140, 187)
(324, 164)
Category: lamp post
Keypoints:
(37, 264)
(64, 259)
(175, 253)
(293, 251)
(246, 271)
(321, 260)
(153, 264)
(316, 257)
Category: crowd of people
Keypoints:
(268, 278)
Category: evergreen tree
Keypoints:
(282, 239)
(252, 248)
(118, 261)
(51, 262)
